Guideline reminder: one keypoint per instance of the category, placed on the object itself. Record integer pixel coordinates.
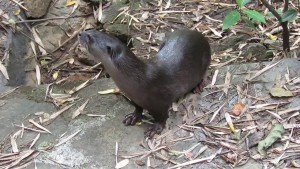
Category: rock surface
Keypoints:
(94, 146)
(36, 8)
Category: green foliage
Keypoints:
(269, 14)
(275, 134)
(256, 16)
(253, 16)
(231, 19)
(242, 3)
(248, 22)
(234, 16)
(289, 15)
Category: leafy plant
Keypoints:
(234, 16)
(288, 15)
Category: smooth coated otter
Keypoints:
(154, 84)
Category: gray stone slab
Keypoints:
(94, 146)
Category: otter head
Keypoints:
(102, 46)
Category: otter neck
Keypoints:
(127, 69)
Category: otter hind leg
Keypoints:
(132, 118)
(159, 125)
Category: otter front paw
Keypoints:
(132, 118)
(156, 128)
(199, 88)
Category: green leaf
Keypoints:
(269, 14)
(256, 16)
(242, 3)
(248, 22)
(231, 19)
(289, 15)
(275, 134)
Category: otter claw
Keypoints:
(157, 128)
(131, 119)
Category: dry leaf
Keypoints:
(33, 48)
(216, 112)
(110, 91)
(289, 110)
(100, 11)
(81, 86)
(55, 75)
(263, 70)
(39, 126)
(67, 138)
(144, 16)
(75, 6)
(38, 74)
(20, 157)
(56, 114)
(122, 163)
(227, 82)
(214, 79)
(4, 71)
(209, 158)
(272, 37)
(79, 110)
(280, 92)
(71, 2)
(14, 145)
(39, 41)
(219, 34)
(237, 109)
(168, 4)
(229, 122)
(35, 140)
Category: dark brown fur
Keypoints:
(179, 66)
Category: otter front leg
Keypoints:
(133, 118)
(158, 126)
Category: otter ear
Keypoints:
(114, 51)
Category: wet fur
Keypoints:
(153, 84)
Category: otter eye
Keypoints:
(89, 38)
(162, 45)
(109, 50)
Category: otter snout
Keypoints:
(84, 37)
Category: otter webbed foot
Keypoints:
(156, 128)
(132, 118)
